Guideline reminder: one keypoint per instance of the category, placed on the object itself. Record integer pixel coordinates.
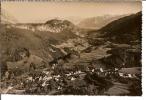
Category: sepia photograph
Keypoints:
(71, 48)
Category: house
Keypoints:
(101, 70)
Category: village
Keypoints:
(59, 77)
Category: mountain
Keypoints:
(53, 25)
(57, 22)
(43, 44)
(98, 22)
(60, 25)
(124, 30)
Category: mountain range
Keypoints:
(98, 22)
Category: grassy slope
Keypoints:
(37, 42)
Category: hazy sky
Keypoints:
(29, 12)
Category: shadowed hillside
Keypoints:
(125, 29)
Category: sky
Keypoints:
(26, 12)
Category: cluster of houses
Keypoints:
(71, 76)
(122, 72)
(133, 72)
